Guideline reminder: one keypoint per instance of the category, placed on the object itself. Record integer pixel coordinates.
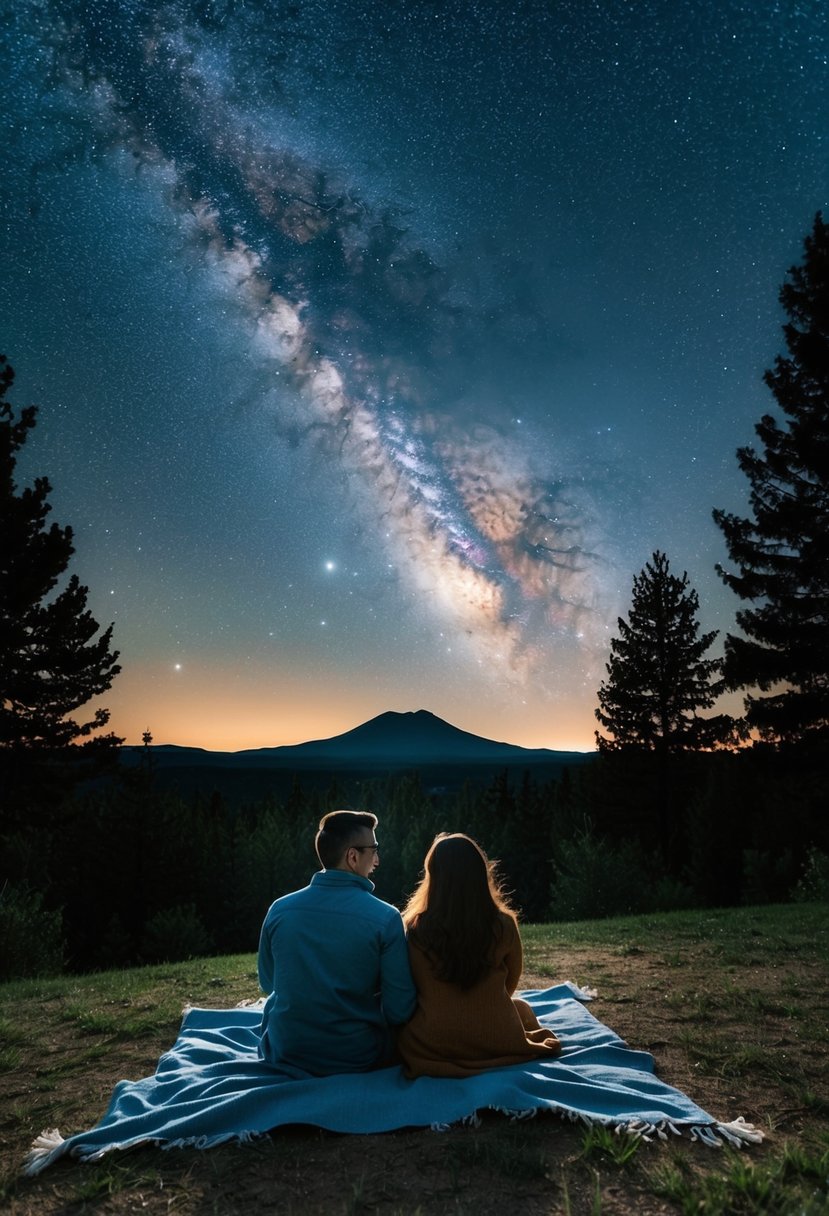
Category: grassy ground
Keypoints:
(734, 1005)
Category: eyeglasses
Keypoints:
(361, 848)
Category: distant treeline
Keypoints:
(133, 873)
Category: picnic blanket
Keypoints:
(212, 1087)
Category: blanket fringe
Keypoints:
(44, 1148)
(738, 1132)
(516, 1115)
(203, 1142)
(50, 1143)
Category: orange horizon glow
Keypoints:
(249, 735)
(218, 712)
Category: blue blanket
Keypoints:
(212, 1087)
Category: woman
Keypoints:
(466, 957)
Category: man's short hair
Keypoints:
(337, 831)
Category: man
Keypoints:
(334, 959)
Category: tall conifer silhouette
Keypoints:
(780, 554)
(53, 657)
(657, 677)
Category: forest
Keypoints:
(131, 874)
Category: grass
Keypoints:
(734, 1005)
(509, 1155)
(793, 1182)
(771, 931)
(604, 1144)
(111, 1179)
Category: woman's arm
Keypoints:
(514, 957)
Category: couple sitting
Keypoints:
(354, 986)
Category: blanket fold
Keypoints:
(211, 1087)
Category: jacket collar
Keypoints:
(341, 878)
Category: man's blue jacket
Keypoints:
(334, 959)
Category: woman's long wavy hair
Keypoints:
(454, 914)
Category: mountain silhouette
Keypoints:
(413, 737)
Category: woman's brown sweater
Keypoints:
(456, 1032)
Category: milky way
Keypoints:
(360, 317)
(476, 266)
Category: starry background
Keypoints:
(378, 345)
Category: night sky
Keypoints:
(378, 345)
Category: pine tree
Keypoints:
(51, 662)
(781, 556)
(657, 678)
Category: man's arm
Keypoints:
(265, 961)
(398, 995)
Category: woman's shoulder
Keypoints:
(508, 922)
